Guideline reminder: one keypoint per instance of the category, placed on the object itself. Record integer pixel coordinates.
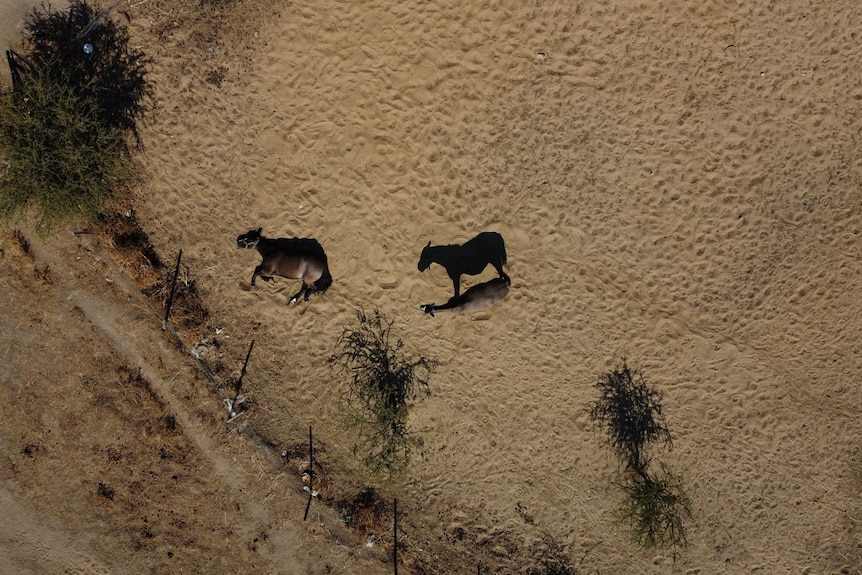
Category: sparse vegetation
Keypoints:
(381, 385)
(365, 512)
(655, 506)
(552, 558)
(78, 91)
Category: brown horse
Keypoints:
(476, 298)
(293, 258)
(470, 258)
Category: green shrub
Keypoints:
(64, 127)
(656, 507)
(381, 385)
(55, 158)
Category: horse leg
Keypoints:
(305, 291)
(499, 266)
(295, 297)
(456, 281)
(255, 274)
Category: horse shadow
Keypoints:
(476, 298)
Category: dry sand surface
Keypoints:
(12, 15)
(678, 184)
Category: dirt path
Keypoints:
(85, 300)
(34, 544)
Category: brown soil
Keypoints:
(117, 454)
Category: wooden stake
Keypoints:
(395, 534)
(310, 475)
(171, 294)
(244, 366)
(239, 382)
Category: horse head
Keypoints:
(249, 239)
(425, 259)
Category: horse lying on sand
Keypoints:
(470, 258)
(292, 258)
(476, 298)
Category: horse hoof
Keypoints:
(427, 308)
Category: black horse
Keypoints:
(476, 298)
(470, 258)
(293, 258)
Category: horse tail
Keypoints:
(324, 281)
(503, 259)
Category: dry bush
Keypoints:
(134, 252)
(131, 246)
(22, 253)
(188, 311)
(655, 505)
(23, 242)
(552, 558)
(365, 512)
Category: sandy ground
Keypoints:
(12, 14)
(678, 184)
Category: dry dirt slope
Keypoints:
(114, 452)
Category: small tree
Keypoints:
(78, 92)
(88, 52)
(631, 411)
(382, 384)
